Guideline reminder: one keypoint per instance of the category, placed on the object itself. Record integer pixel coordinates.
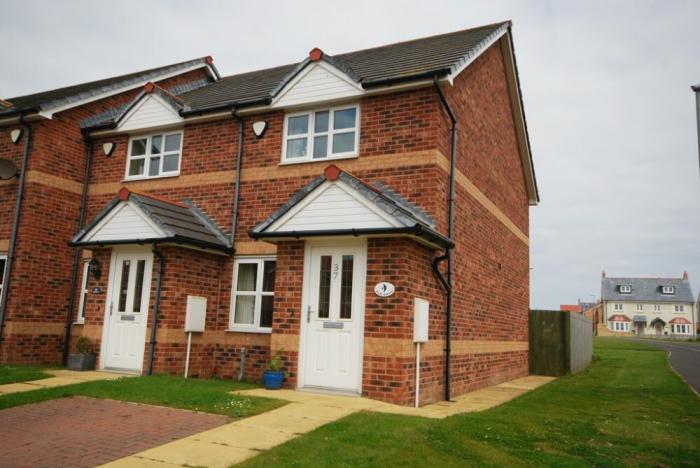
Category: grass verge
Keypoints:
(14, 374)
(628, 408)
(207, 395)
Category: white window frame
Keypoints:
(83, 293)
(668, 290)
(147, 156)
(621, 326)
(640, 306)
(258, 293)
(679, 308)
(680, 328)
(625, 289)
(309, 135)
(618, 306)
(2, 284)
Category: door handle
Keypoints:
(308, 314)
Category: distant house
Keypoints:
(662, 307)
(570, 308)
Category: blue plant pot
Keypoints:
(272, 380)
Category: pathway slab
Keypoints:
(60, 378)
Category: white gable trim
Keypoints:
(49, 111)
(318, 82)
(150, 112)
(366, 215)
(126, 221)
(491, 40)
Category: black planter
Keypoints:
(81, 362)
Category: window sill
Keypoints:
(79, 322)
(260, 331)
(141, 179)
(310, 161)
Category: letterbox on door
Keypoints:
(420, 320)
(195, 314)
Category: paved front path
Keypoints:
(684, 358)
(243, 439)
(59, 379)
(87, 432)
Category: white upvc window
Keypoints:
(330, 133)
(640, 306)
(253, 294)
(621, 326)
(3, 262)
(657, 308)
(152, 156)
(680, 328)
(618, 306)
(668, 289)
(83, 293)
(679, 308)
(625, 288)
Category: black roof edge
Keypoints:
(226, 106)
(439, 73)
(696, 88)
(19, 111)
(158, 240)
(418, 230)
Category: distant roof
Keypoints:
(646, 289)
(69, 94)
(570, 308)
(182, 222)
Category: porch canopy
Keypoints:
(138, 218)
(680, 321)
(339, 204)
(639, 319)
(619, 318)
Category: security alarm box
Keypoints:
(195, 314)
(421, 308)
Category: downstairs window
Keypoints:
(252, 294)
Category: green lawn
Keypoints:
(628, 409)
(208, 395)
(12, 374)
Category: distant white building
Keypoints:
(662, 307)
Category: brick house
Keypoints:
(308, 205)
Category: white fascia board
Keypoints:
(491, 40)
(50, 111)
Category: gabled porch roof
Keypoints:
(137, 218)
(339, 204)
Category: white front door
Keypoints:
(333, 317)
(127, 310)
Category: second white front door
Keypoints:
(127, 310)
(333, 317)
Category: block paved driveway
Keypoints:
(88, 432)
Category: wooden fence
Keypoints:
(560, 342)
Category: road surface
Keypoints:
(684, 358)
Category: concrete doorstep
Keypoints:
(237, 441)
(60, 378)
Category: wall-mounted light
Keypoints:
(259, 128)
(16, 135)
(108, 148)
(95, 268)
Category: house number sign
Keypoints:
(384, 289)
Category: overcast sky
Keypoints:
(605, 84)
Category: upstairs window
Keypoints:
(668, 289)
(618, 306)
(154, 156)
(625, 288)
(679, 308)
(657, 308)
(321, 134)
(640, 307)
(3, 261)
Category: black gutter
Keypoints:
(156, 307)
(432, 74)
(237, 191)
(450, 233)
(417, 230)
(226, 106)
(76, 254)
(156, 240)
(15, 227)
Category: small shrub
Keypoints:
(83, 345)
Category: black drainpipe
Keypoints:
(237, 192)
(447, 283)
(77, 252)
(156, 307)
(15, 226)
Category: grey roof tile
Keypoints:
(646, 289)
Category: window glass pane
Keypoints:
(136, 167)
(154, 166)
(83, 303)
(296, 148)
(138, 147)
(324, 288)
(344, 143)
(344, 118)
(266, 312)
(321, 122)
(346, 288)
(320, 147)
(245, 310)
(172, 142)
(2, 270)
(247, 276)
(171, 162)
(156, 144)
(269, 276)
(138, 289)
(298, 125)
(123, 285)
